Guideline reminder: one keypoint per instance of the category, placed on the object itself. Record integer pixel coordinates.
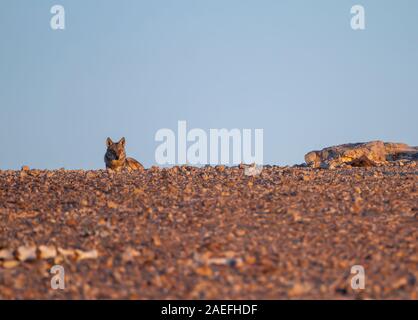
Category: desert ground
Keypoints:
(210, 233)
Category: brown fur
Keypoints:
(115, 157)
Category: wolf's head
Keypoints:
(115, 150)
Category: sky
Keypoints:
(128, 68)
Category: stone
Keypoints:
(47, 252)
(112, 205)
(363, 154)
(9, 264)
(253, 170)
(83, 255)
(363, 161)
(204, 271)
(24, 253)
(299, 289)
(66, 252)
(130, 254)
(6, 254)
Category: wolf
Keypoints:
(115, 157)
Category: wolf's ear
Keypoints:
(122, 141)
(109, 142)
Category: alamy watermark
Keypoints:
(358, 281)
(220, 146)
(58, 280)
(57, 21)
(358, 20)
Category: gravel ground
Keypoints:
(210, 233)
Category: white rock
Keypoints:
(26, 253)
(82, 255)
(6, 254)
(47, 252)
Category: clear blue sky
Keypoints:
(128, 68)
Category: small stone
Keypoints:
(9, 264)
(400, 283)
(306, 177)
(25, 168)
(240, 232)
(66, 252)
(250, 259)
(157, 241)
(129, 254)
(24, 253)
(299, 289)
(58, 259)
(253, 170)
(295, 214)
(6, 254)
(112, 205)
(83, 255)
(231, 262)
(204, 271)
(47, 252)
(139, 191)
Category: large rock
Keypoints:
(360, 154)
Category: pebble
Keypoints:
(26, 253)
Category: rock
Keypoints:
(26, 253)
(83, 255)
(6, 254)
(66, 252)
(253, 170)
(157, 241)
(306, 177)
(250, 259)
(112, 205)
(25, 168)
(360, 154)
(129, 254)
(46, 252)
(204, 271)
(295, 214)
(363, 161)
(299, 289)
(302, 236)
(400, 283)
(9, 264)
(231, 262)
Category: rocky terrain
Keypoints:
(363, 154)
(210, 233)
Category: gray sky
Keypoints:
(128, 68)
